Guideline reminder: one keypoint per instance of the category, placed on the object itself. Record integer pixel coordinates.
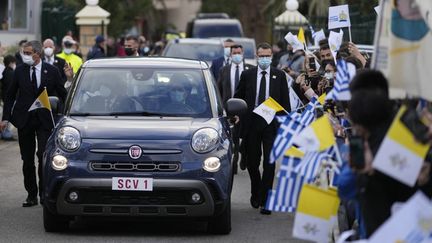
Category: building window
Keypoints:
(14, 14)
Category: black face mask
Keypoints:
(129, 51)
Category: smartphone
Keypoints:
(307, 80)
(412, 121)
(312, 63)
(357, 159)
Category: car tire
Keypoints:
(221, 224)
(53, 222)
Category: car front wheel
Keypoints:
(221, 224)
(53, 222)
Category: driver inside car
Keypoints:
(178, 91)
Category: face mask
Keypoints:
(68, 51)
(264, 62)
(177, 96)
(48, 51)
(27, 59)
(129, 51)
(237, 58)
(329, 76)
(104, 91)
(227, 51)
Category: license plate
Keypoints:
(132, 184)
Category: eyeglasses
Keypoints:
(265, 56)
(28, 53)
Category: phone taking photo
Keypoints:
(312, 63)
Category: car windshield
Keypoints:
(215, 30)
(198, 51)
(141, 92)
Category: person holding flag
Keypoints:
(32, 83)
(257, 85)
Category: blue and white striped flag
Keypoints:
(311, 162)
(344, 75)
(285, 196)
(290, 126)
(317, 36)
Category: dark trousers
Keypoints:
(27, 141)
(259, 142)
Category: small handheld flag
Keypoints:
(42, 101)
(268, 109)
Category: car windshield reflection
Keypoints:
(141, 92)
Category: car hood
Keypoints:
(139, 128)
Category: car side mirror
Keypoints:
(236, 107)
(54, 102)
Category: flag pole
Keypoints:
(349, 32)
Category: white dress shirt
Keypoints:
(233, 70)
(258, 81)
(38, 73)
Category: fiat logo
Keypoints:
(135, 152)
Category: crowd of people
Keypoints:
(367, 194)
(363, 120)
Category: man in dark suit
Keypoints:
(218, 63)
(49, 57)
(29, 81)
(229, 77)
(255, 86)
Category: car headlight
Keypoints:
(69, 138)
(59, 162)
(205, 140)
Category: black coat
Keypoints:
(21, 93)
(224, 81)
(247, 88)
(6, 80)
(60, 63)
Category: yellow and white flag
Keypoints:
(318, 136)
(301, 36)
(316, 213)
(268, 109)
(42, 101)
(322, 99)
(400, 155)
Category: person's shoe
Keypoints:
(243, 163)
(30, 202)
(254, 203)
(265, 211)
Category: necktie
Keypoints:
(262, 89)
(33, 79)
(237, 77)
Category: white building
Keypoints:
(179, 12)
(20, 19)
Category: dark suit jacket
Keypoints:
(6, 80)
(21, 95)
(59, 63)
(247, 88)
(224, 81)
(217, 64)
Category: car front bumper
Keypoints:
(169, 198)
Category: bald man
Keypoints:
(59, 63)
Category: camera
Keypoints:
(312, 63)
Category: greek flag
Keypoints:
(340, 90)
(285, 196)
(290, 126)
(311, 162)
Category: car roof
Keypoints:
(131, 62)
(197, 41)
(216, 21)
(235, 39)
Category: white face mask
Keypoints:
(27, 59)
(227, 51)
(329, 75)
(68, 51)
(48, 51)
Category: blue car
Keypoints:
(143, 137)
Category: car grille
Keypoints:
(108, 197)
(136, 166)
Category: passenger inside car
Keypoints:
(179, 89)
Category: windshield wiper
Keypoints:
(137, 113)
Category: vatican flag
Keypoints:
(268, 109)
(318, 136)
(42, 101)
(322, 99)
(316, 213)
(301, 36)
(400, 155)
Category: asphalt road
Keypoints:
(18, 224)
